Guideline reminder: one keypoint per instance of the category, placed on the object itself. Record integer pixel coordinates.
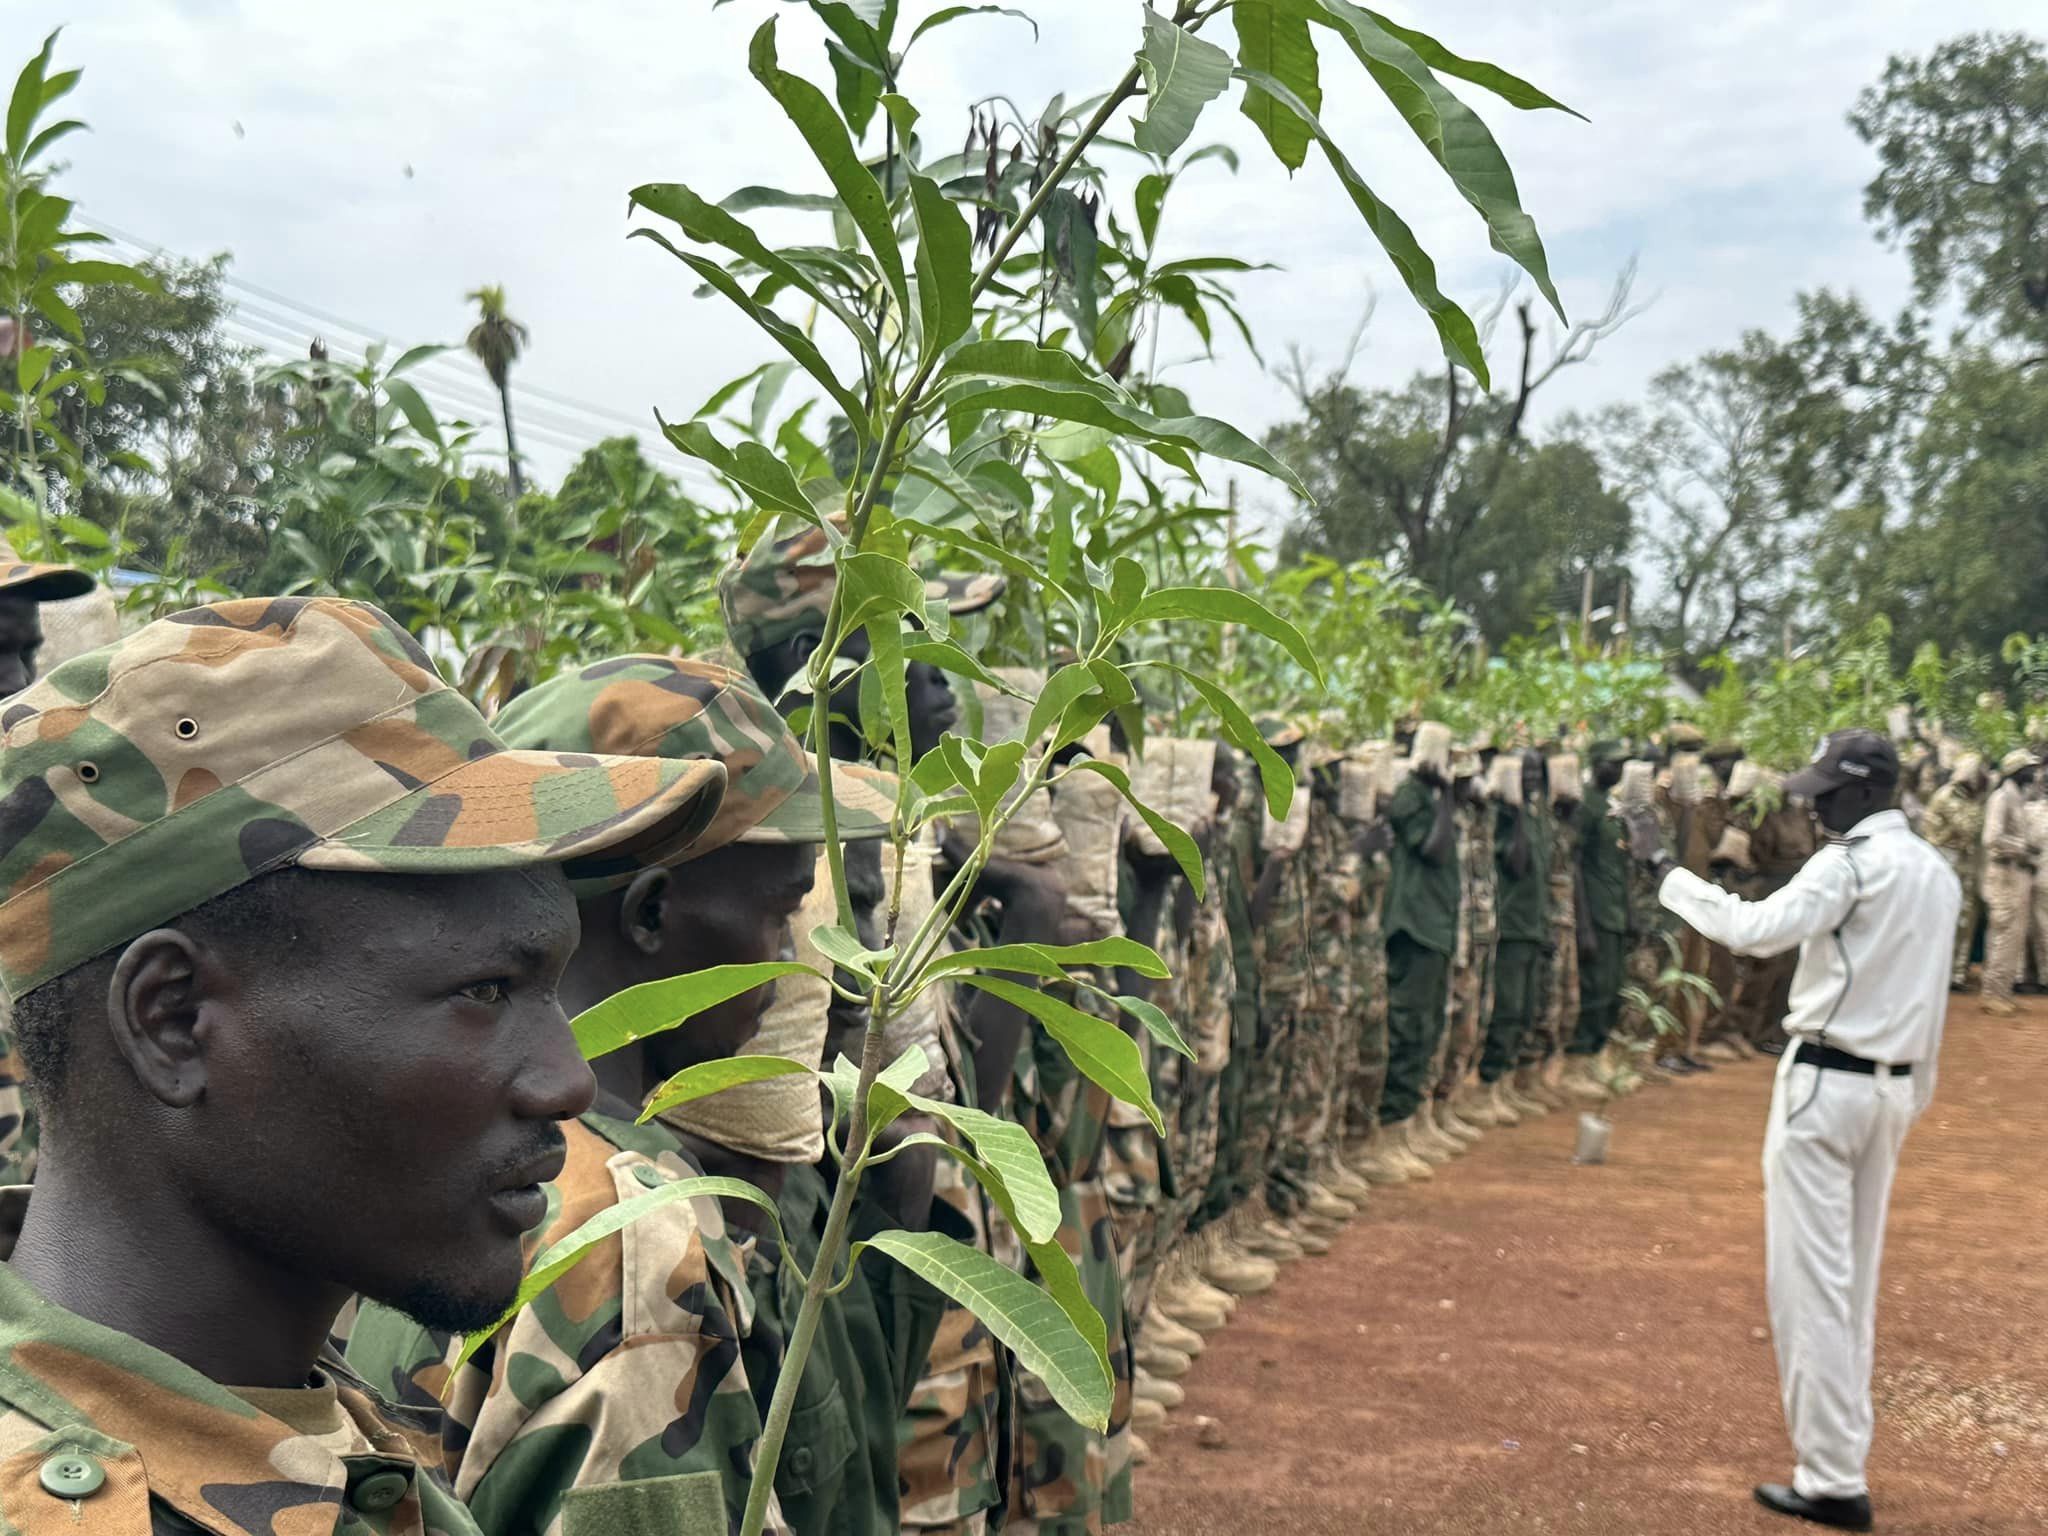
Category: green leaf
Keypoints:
(1104, 1053)
(885, 640)
(747, 199)
(790, 338)
(1151, 196)
(1061, 690)
(948, 657)
(1154, 1018)
(859, 86)
(994, 554)
(1226, 605)
(1023, 361)
(805, 106)
(1008, 1152)
(1095, 405)
(714, 224)
(27, 99)
(408, 400)
(49, 136)
(1035, 1327)
(1460, 337)
(559, 1258)
(945, 265)
(1273, 38)
(709, 1077)
(656, 1006)
(1512, 89)
(871, 582)
(92, 274)
(1453, 133)
(1274, 775)
(1050, 960)
(1178, 843)
(948, 13)
(846, 950)
(1183, 74)
(750, 466)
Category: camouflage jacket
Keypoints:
(18, 1128)
(627, 1368)
(1954, 823)
(1289, 962)
(106, 1436)
(1564, 877)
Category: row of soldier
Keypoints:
(289, 956)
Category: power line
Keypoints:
(547, 422)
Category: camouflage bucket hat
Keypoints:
(659, 706)
(38, 582)
(783, 586)
(142, 779)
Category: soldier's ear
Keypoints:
(643, 911)
(153, 1010)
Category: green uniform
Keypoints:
(1473, 967)
(1421, 925)
(1604, 864)
(1523, 914)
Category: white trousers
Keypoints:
(1829, 1156)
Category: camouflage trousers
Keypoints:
(1067, 1480)
(1304, 1109)
(18, 1131)
(1265, 1089)
(1229, 1183)
(1968, 917)
(1554, 1023)
(1367, 1079)
(1471, 1005)
(1136, 1173)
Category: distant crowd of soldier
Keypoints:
(290, 935)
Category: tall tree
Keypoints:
(1440, 479)
(1962, 139)
(496, 340)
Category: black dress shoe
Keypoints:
(1842, 1514)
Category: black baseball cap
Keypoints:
(1846, 757)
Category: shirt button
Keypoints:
(379, 1492)
(800, 1460)
(71, 1474)
(649, 1175)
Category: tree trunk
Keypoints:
(511, 449)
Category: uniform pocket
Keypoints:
(1802, 1090)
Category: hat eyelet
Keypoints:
(88, 773)
(187, 728)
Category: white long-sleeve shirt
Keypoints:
(1874, 916)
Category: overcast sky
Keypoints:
(375, 161)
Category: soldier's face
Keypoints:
(381, 1110)
(21, 637)
(734, 906)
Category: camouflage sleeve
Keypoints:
(18, 1137)
(627, 1369)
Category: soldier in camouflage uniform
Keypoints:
(663, 1316)
(1954, 823)
(775, 598)
(274, 813)
(1318, 893)
(1472, 967)
(1543, 1047)
(25, 585)
(1368, 1078)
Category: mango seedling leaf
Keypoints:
(1153, 1017)
(1050, 960)
(948, 13)
(655, 1006)
(1105, 1054)
(1035, 1327)
(1183, 74)
(1512, 89)
(1177, 842)
(1273, 38)
(753, 468)
(1453, 326)
(1275, 777)
(1008, 1154)
(1225, 605)
(846, 951)
(559, 1258)
(709, 1077)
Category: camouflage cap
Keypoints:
(1607, 750)
(225, 742)
(39, 582)
(783, 586)
(660, 706)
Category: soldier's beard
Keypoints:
(438, 1309)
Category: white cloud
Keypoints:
(1717, 149)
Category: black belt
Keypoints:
(1812, 1055)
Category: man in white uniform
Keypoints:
(1874, 915)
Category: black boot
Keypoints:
(1842, 1514)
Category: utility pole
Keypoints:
(1586, 611)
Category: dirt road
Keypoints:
(1528, 1346)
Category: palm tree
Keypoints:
(495, 341)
